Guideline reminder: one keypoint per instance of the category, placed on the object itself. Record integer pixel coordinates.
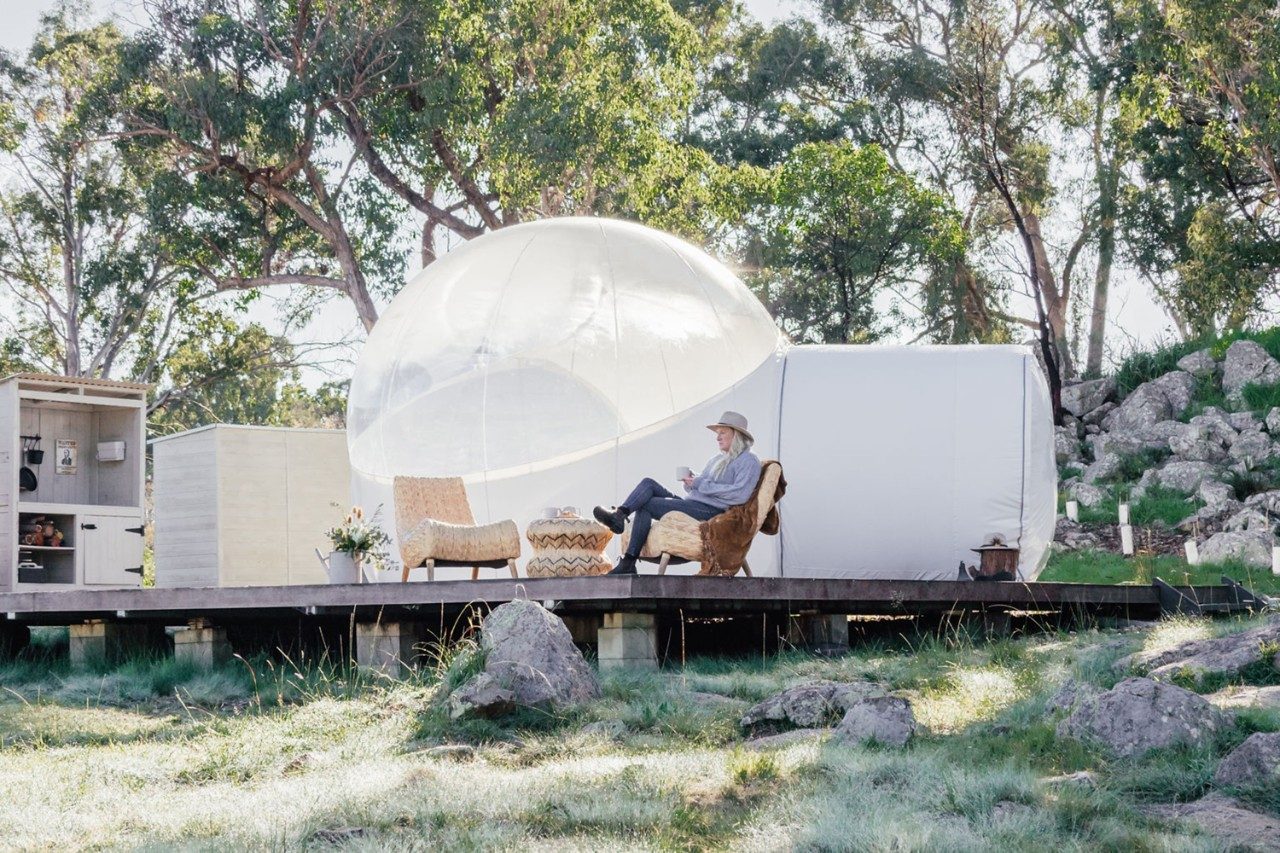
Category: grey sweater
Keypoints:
(734, 485)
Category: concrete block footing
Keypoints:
(628, 640)
(202, 645)
(106, 642)
(388, 647)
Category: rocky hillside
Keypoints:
(1190, 450)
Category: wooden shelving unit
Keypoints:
(96, 504)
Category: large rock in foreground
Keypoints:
(887, 720)
(1254, 762)
(530, 661)
(1138, 715)
(817, 703)
(865, 711)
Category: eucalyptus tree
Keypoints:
(236, 98)
(968, 100)
(1091, 55)
(513, 110)
(1201, 105)
(94, 288)
(847, 239)
(313, 131)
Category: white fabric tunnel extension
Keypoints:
(561, 361)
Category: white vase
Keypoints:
(342, 568)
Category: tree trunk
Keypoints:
(70, 262)
(1101, 285)
(1055, 302)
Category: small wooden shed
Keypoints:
(246, 505)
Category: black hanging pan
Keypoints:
(27, 481)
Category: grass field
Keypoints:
(1106, 567)
(157, 755)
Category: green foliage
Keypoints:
(1157, 505)
(1201, 112)
(361, 537)
(748, 767)
(1261, 398)
(846, 227)
(1144, 366)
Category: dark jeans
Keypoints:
(650, 500)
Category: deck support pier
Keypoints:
(628, 640)
(390, 648)
(202, 644)
(585, 629)
(98, 642)
(14, 637)
(826, 633)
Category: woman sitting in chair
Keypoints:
(727, 480)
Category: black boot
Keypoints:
(626, 566)
(615, 520)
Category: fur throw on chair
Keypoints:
(727, 537)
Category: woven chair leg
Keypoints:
(662, 563)
(431, 570)
(746, 569)
(404, 573)
(475, 573)
(511, 564)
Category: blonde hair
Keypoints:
(740, 445)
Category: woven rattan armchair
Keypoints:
(436, 528)
(679, 538)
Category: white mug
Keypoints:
(551, 512)
(683, 471)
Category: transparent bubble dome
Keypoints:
(545, 340)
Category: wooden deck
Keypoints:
(583, 596)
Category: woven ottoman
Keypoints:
(567, 547)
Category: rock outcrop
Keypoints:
(530, 661)
(864, 711)
(1226, 655)
(1139, 715)
(1254, 762)
(886, 720)
(1247, 363)
(817, 703)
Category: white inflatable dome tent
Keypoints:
(558, 362)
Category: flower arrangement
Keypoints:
(361, 537)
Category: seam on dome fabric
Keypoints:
(733, 347)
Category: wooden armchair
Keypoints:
(436, 528)
(719, 544)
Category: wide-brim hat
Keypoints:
(733, 420)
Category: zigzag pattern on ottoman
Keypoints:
(567, 547)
